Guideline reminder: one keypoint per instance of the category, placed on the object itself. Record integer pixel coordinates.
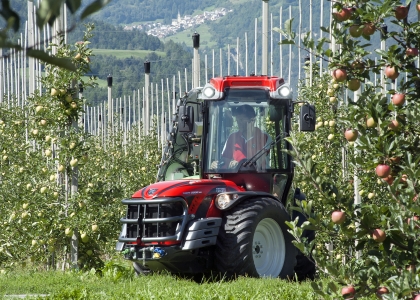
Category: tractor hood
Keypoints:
(197, 193)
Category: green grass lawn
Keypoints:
(126, 53)
(78, 285)
(119, 282)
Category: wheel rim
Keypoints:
(268, 248)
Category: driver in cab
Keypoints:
(244, 143)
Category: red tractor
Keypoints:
(218, 204)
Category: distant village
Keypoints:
(179, 24)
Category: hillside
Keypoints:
(215, 38)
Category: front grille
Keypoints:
(154, 220)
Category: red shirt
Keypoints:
(238, 148)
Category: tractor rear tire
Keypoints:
(253, 241)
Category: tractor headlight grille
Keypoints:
(155, 220)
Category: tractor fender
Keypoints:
(237, 197)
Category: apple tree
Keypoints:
(44, 151)
(361, 175)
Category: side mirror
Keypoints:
(307, 117)
(185, 119)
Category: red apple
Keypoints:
(398, 99)
(378, 235)
(394, 125)
(339, 75)
(338, 217)
(343, 15)
(383, 170)
(412, 51)
(351, 135)
(368, 29)
(401, 12)
(381, 290)
(355, 31)
(415, 219)
(348, 292)
(417, 297)
(353, 84)
(391, 72)
(389, 179)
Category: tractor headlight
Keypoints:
(284, 91)
(209, 92)
(223, 201)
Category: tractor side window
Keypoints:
(220, 127)
(276, 126)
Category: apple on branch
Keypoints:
(339, 75)
(398, 99)
(351, 135)
(381, 290)
(355, 31)
(383, 170)
(401, 12)
(389, 179)
(353, 84)
(348, 292)
(391, 72)
(343, 15)
(393, 125)
(338, 217)
(378, 235)
(370, 122)
(412, 51)
(368, 29)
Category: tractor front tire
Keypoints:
(253, 241)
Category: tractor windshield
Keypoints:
(246, 125)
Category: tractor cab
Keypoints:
(243, 122)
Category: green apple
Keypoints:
(73, 162)
(84, 237)
(68, 231)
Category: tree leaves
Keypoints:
(47, 13)
(65, 63)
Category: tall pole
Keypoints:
(246, 54)
(280, 46)
(110, 118)
(146, 94)
(31, 42)
(264, 70)
(196, 65)
(255, 47)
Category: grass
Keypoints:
(115, 283)
(126, 53)
(119, 282)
